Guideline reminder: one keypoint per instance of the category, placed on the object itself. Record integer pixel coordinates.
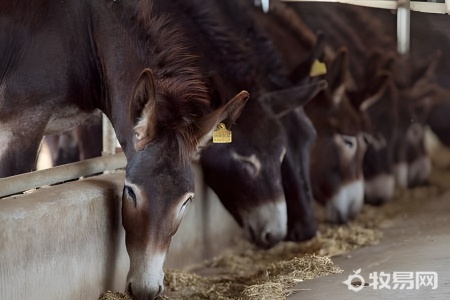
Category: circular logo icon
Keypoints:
(355, 282)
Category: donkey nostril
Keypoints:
(159, 290)
(158, 293)
(267, 237)
(341, 217)
(129, 290)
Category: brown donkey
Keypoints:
(132, 63)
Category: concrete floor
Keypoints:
(416, 241)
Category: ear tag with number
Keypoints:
(221, 135)
(318, 68)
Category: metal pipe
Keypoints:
(265, 5)
(24, 182)
(386, 4)
(427, 7)
(403, 26)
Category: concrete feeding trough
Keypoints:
(67, 241)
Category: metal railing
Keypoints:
(403, 8)
(427, 7)
(28, 181)
(108, 162)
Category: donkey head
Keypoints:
(377, 104)
(416, 95)
(159, 182)
(336, 158)
(246, 174)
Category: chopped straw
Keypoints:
(114, 296)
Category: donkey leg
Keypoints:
(89, 137)
(19, 147)
(67, 150)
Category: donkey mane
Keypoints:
(232, 54)
(371, 32)
(268, 55)
(179, 80)
(231, 37)
(292, 22)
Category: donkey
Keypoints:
(425, 40)
(250, 175)
(381, 129)
(419, 93)
(134, 64)
(437, 118)
(347, 26)
(335, 169)
(337, 156)
(80, 143)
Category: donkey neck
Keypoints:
(143, 38)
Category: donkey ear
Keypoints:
(303, 70)
(284, 101)
(431, 70)
(384, 84)
(227, 114)
(144, 96)
(428, 72)
(378, 61)
(218, 87)
(142, 109)
(337, 75)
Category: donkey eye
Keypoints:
(249, 167)
(184, 205)
(366, 138)
(348, 141)
(130, 193)
(251, 164)
(188, 200)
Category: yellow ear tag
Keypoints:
(221, 135)
(318, 68)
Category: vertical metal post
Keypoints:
(265, 4)
(109, 137)
(403, 26)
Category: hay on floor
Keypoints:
(114, 296)
(246, 272)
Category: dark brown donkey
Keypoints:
(61, 60)
(381, 128)
(336, 157)
(363, 30)
(418, 94)
(252, 174)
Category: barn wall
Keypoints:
(67, 241)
